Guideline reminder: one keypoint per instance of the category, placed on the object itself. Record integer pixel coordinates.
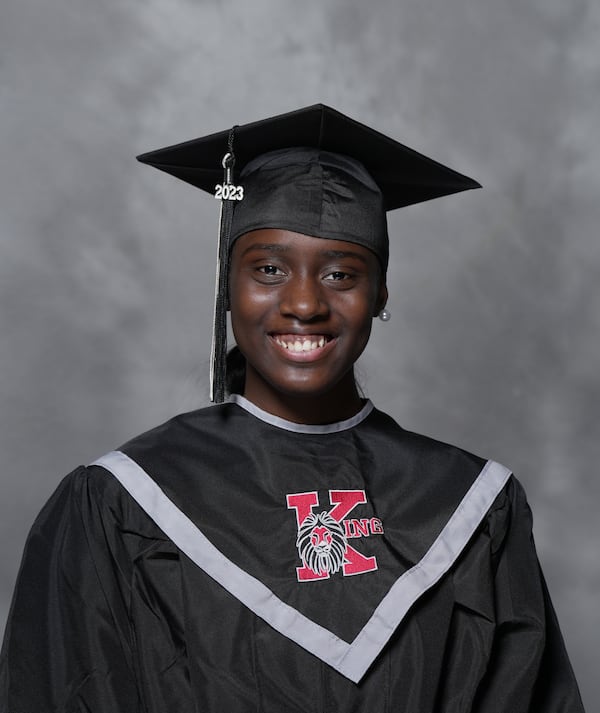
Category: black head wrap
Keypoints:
(314, 192)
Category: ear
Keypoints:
(382, 298)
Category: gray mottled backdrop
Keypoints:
(105, 267)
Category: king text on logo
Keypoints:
(322, 540)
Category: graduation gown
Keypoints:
(233, 561)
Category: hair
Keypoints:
(235, 376)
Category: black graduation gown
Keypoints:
(437, 602)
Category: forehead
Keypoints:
(275, 241)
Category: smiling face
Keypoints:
(301, 312)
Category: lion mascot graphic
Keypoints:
(321, 543)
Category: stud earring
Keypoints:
(385, 315)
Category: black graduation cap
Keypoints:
(403, 175)
(313, 171)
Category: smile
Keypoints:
(301, 343)
(303, 347)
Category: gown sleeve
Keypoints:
(529, 670)
(67, 645)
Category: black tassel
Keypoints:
(228, 194)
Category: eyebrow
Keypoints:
(277, 248)
(343, 254)
(268, 247)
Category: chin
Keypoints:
(308, 388)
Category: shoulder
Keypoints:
(201, 423)
(87, 495)
(420, 453)
(76, 492)
(90, 504)
(179, 456)
(200, 428)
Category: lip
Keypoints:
(302, 356)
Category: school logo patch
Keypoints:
(322, 540)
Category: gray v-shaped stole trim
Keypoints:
(350, 659)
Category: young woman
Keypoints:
(292, 549)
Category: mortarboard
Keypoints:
(313, 171)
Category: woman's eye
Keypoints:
(270, 270)
(337, 276)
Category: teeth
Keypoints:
(301, 345)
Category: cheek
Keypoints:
(241, 299)
(359, 315)
(246, 296)
(249, 314)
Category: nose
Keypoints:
(303, 298)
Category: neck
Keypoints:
(340, 403)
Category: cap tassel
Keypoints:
(228, 193)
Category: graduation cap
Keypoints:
(313, 171)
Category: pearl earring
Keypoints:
(385, 315)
